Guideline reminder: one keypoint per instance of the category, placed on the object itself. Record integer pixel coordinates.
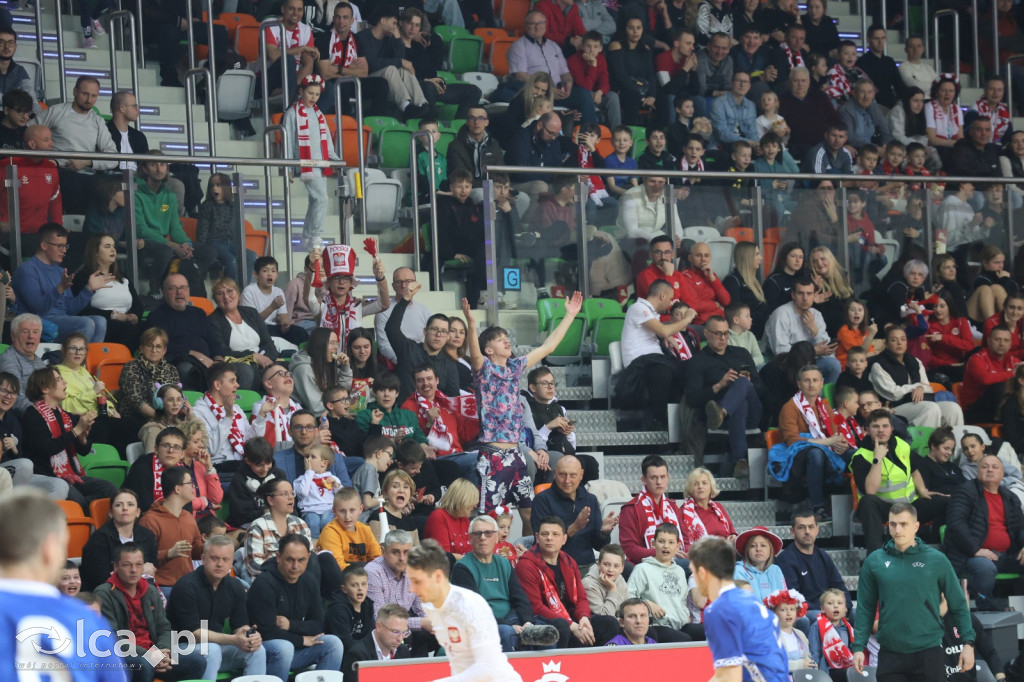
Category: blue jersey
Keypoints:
(45, 637)
(741, 631)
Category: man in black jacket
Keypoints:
(473, 149)
(975, 155)
(285, 604)
(383, 644)
(385, 54)
(881, 69)
(427, 51)
(339, 56)
(207, 598)
(412, 355)
(723, 380)
(985, 531)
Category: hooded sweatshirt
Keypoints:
(665, 585)
(300, 602)
(170, 529)
(906, 588)
(604, 602)
(156, 214)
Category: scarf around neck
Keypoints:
(236, 435)
(833, 648)
(350, 53)
(65, 463)
(655, 515)
(305, 145)
(340, 319)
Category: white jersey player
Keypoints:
(462, 621)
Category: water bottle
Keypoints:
(101, 405)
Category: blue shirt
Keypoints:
(35, 283)
(762, 582)
(742, 631)
(732, 121)
(612, 161)
(36, 609)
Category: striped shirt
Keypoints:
(261, 541)
(384, 586)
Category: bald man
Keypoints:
(39, 198)
(579, 509)
(701, 288)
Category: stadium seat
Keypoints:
(234, 21)
(489, 35)
(828, 392)
(204, 304)
(810, 675)
(319, 676)
(513, 14)
(247, 43)
(134, 451)
(189, 226)
(870, 674)
(192, 396)
(487, 82)
(721, 254)
(394, 147)
(246, 399)
(99, 510)
(547, 310)
(741, 234)
(606, 331)
(595, 309)
(79, 527)
(919, 436)
(235, 91)
(498, 60)
(448, 33)
(105, 361)
(465, 53)
(257, 241)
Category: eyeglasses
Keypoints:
(437, 331)
(171, 447)
(483, 533)
(7, 393)
(398, 633)
(304, 429)
(404, 282)
(346, 400)
(545, 384)
(663, 252)
(77, 349)
(719, 335)
(62, 247)
(181, 287)
(281, 373)
(157, 346)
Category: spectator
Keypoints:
(864, 118)
(144, 475)
(714, 69)
(174, 411)
(209, 489)
(117, 301)
(217, 226)
(724, 380)
(910, 645)
(676, 70)
(77, 128)
(262, 542)
(746, 14)
(974, 155)
(208, 600)
(915, 71)
(733, 115)
(340, 310)
(822, 34)
(257, 468)
(540, 144)
(296, 56)
(658, 579)
(906, 118)
(662, 266)
(340, 56)
(39, 198)
(262, 295)
(799, 321)
(806, 567)
(177, 537)
(990, 292)
(44, 288)
(649, 372)
(285, 604)
(121, 527)
(349, 541)
(318, 367)
(564, 24)
(305, 432)
(131, 605)
(14, 76)
(809, 113)
(473, 150)
(300, 296)
(943, 116)
(606, 589)
(833, 292)
(992, 107)
(652, 507)
(900, 378)
(241, 332)
(597, 18)
(427, 52)
(20, 359)
(17, 112)
(831, 155)
(590, 70)
(642, 210)
(744, 287)
(389, 584)
(699, 514)
(227, 424)
(758, 548)
(384, 643)
(985, 376)
(448, 430)
(881, 69)
(883, 471)
(631, 64)
(449, 523)
(386, 58)
(555, 434)
(138, 378)
(940, 478)
(463, 240)
(702, 290)
(17, 464)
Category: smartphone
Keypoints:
(251, 631)
(745, 371)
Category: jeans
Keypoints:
(189, 667)
(226, 255)
(981, 576)
(317, 521)
(21, 474)
(809, 463)
(282, 656)
(93, 326)
(316, 209)
(582, 101)
(88, 490)
(743, 411)
(230, 658)
(830, 368)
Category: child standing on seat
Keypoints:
(316, 488)
(309, 139)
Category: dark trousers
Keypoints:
(88, 490)
(295, 333)
(873, 512)
(984, 408)
(75, 190)
(743, 411)
(809, 464)
(291, 69)
(373, 88)
(465, 95)
(605, 627)
(663, 380)
(168, 39)
(926, 665)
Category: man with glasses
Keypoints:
(540, 144)
(20, 359)
(14, 76)
(412, 355)
(272, 414)
(416, 314)
(178, 539)
(733, 116)
(385, 643)
(43, 287)
(554, 434)
(663, 266)
(723, 381)
(39, 199)
(306, 432)
(144, 475)
(17, 114)
(473, 150)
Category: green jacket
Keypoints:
(398, 423)
(115, 609)
(156, 214)
(907, 587)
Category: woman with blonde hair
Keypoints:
(699, 514)
(196, 458)
(243, 332)
(397, 489)
(449, 523)
(744, 284)
(833, 287)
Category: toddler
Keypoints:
(769, 121)
(788, 605)
(316, 488)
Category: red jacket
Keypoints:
(707, 298)
(1016, 335)
(984, 370)
(631, 531)
(590, 78)
(529, 569)
(39, 198)
(561, 26)
(450, 532)
(651, 273)
(459, 428)
(956, 341)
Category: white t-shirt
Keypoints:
(465, 627)
(114, 296)
(244, 339)
(253, 297)
(637, 339)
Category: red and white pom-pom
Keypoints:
(500, 511)
(780, 597)
(370, 245)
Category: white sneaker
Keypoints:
(90, 42)
(97, 28)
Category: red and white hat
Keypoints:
(312, 79)
(339, 259)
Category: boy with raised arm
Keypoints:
(496, 375)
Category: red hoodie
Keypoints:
(984, 370)
(136, 618)
(956, 341)
(533, 572)
(39, 199)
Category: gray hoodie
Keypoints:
(664, 585)
(604, 602)
(306, 390)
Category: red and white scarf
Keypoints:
(950, 120)
(236, 436)
(305, 146)
(341, 319)
(158, 473)
(1000, 117)
(841, 81)
(835, 651)
(438, 437)
(65, 463)
(684, 165)
(794, 61)
(818, 416)
(692, 527)
(277, 420)
(594, 182)
(350, 55)
(679, 347)
(655, 515)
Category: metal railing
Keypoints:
(956, 39)
(414, 181)
(119, 17)
(61, 67)
(360, 147)
(211, 114)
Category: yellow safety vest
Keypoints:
(897, 484)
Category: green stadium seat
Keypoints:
(598, 308)
(464, 53)
(448, 33)
(394, 148)
(547, 310)
(246, 399)
(569, 349)
(828, 392)
(606, 331)
(919, 436)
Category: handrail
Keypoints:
(906, 20)
(236, 181)
(360, 144)
(432, 179)
(130, 231)
(863, 27)
(122, 15)
(975, 25)
(62, 71)
(267, 23)
(191, 35)
(39, 43)
(142, 41)
(211, 116)
(584, 254)
(956, 39)
(268, 153)
(211, 88)
(186, 158)
(1009, 81)
(11, 183)
(924, 26)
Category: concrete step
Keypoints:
(626, 468)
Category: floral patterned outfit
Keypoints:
(506, 480)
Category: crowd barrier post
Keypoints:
(491, 244)
(130, 230)
(583, 188)
(956, 39)
(11, 185)
(432, 179)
